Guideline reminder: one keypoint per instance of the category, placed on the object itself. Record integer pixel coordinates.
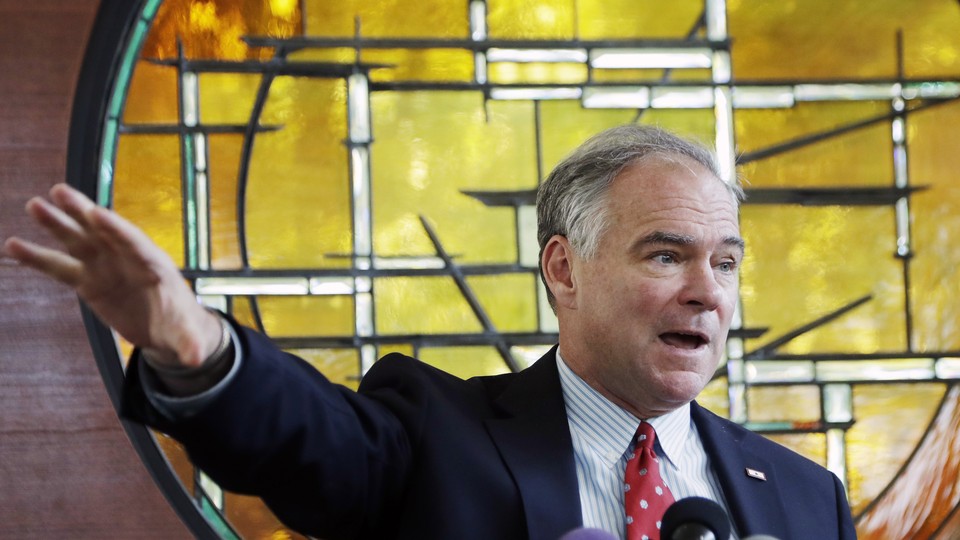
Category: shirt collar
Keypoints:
(608, 428)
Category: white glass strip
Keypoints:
(478, 20)
(331, 286)
(527, 246)
(931, 90)
(948, 368)
(715, 12)
(368, 355)
(838, 402)
(213, 491)
(363, 284)
(537, 55)
(203, 220)
(546, 93)
(480, 67)
(789, 371)
(358, 108)
(763, 97)
(362, 226)
(620, 97)
(190, 98)
(266, 286)
(837, 454)
(701, 97)
(918, 369)
(902, 210)
(840, 92)
(673, 58)
(364, 310)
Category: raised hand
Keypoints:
(126, 279)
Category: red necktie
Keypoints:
(645, 496)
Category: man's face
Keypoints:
(649, 313)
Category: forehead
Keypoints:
(672, 191)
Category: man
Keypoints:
(640, 248)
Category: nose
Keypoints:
(701, 288)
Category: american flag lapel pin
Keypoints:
(759, 475)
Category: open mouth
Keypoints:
(683, 340)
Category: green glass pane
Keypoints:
(417, 134)
(816, 260)
(890, 420)
(465, 362)
(386, 18)
(151, 160)
(509, 300)
(298, 196)
(422, 305)
(306, 316)
(783, 403)
(935, 270)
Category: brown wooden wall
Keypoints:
(67, 470)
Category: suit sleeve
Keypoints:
(326, 460)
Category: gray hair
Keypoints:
(572, 201)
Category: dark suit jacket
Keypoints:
(420, 454)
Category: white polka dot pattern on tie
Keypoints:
(646, 496)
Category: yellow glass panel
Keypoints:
(176, 457)
(715, 398)
(227, 98)
(332, 54)
(651, 76)
(396, 348)
(804, 262)
(152, 98)
(628, 19)
(151, 160)
(811, 445)
(386, 18)
(224, 165)
(298, 196)
(935, 271)
(465, 362)
(828, 39)
(565, 124)
(422, 305)
(537, 73)
(509, 300)
(430, 146)
(304, 316)
(859, 158)
(242, 311)
(420, 65)
(531, 19)
(215, 29)
(890, 420)
(340, 366)
(783, 403)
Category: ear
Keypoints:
(557, 264)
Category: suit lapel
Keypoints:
(748, 480)
(533, 438)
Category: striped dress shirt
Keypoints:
(602, 434)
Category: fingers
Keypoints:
(63, 227)
(55, 264)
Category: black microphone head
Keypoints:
(588, 534)
(699, 512)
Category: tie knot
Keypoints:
(645, 435)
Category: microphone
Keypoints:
(695, 518)
(588, 534)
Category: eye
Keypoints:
(727, 267)
(665, 258)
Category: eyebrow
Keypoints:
(663, 237)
